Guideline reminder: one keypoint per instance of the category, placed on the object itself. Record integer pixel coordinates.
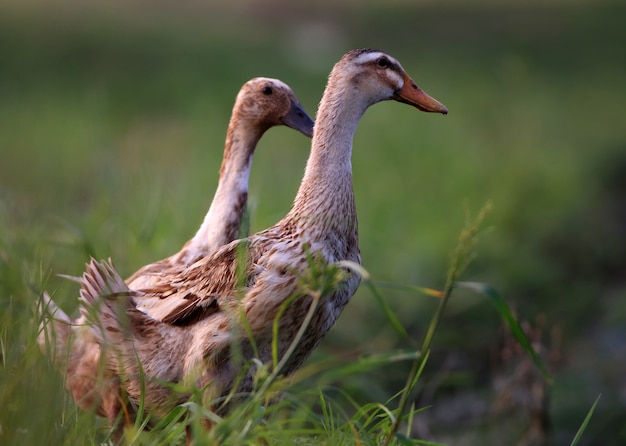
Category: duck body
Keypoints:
(185, 324)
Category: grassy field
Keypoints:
(112, 122)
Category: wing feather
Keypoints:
(200, 289)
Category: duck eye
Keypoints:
(267, 90)
(383, 62)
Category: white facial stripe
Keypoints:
(395, 78)
(370, 57)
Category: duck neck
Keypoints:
(222, 221)
(324, 204)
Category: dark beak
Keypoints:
(297, 119)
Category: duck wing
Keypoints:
(187, 294)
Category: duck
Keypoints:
(260, 104)
(185, 326)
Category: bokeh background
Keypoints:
(112, 123)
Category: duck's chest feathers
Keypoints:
(291, 276)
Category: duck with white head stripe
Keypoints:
(194, 317)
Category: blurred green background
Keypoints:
(112, 124)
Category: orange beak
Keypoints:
(413, 95)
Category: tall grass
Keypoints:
(281, 410)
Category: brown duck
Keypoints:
(181, 328)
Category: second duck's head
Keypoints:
(265, 102)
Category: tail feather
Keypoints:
(68, 277)
(53, 310)
(54, 328)
(105, 299)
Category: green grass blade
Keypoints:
(404, 440)
(411, 289)
(583, 426)
(393, 320)
(507, 315)
(369, 362)
(422, 364)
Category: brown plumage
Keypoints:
(182, 327)
(260, 104)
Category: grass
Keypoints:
(277, 412)
(108, 149)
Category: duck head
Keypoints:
(381, 77)
(267, 102)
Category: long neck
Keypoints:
(222, 221)
(324, 207)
